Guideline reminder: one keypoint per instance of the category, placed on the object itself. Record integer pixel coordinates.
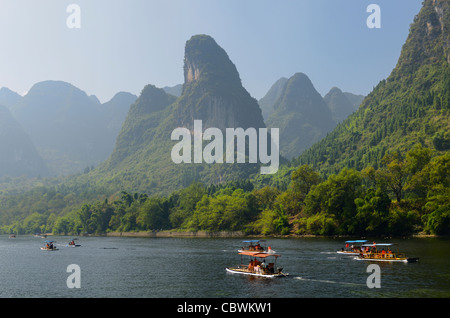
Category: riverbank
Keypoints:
(224, 234)
(227, 234)
(177, 234)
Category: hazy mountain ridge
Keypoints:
(339, 104)
(18, 156)
(8, 97)
(270, 98)
(301, 114)
(70, 129)
(307, 122)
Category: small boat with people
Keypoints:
(352, 247)
(256, 246)
(382, 252)
(49, 246)
(73, 244)
(259, 262)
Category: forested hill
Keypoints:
(410, 107)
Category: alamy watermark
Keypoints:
(374, 20)
(73, 21)
(374, 279)
(74, 279)
(213, 151)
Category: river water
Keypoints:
(114, 267)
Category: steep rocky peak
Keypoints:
(206, 61)
(213, 90)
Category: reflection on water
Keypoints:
(195, 268)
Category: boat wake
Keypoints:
(327, 281)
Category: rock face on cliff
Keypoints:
(213, 93)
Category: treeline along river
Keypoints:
(111, 267)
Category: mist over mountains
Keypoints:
(18, 155)
(69, 129)
(302, 114)
(73, 132)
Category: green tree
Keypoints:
(372, 212)
(335, 198)
(84, 216)
(303, 179)
(184, 203)
(395, 173)
(154, 214)
(224, 211)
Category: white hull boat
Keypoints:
(245, 271)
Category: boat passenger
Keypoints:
(251, 266)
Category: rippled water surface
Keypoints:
(195, 268)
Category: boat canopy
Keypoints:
(378, 244)
(259, 254)
(356, 241)
(253, 241)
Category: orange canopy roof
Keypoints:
(259, 254)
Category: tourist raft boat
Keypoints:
(259, 263)
(382, 252)
(73, 243)
(49, 246)
(352, 247)
(256, 246)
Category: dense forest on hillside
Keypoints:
(409, 193)
(411, 106)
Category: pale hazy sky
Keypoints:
(123, 45)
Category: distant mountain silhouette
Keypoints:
(70, 129)
(18, 156)
(301, 114)
(339, 104)
(268, 101)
